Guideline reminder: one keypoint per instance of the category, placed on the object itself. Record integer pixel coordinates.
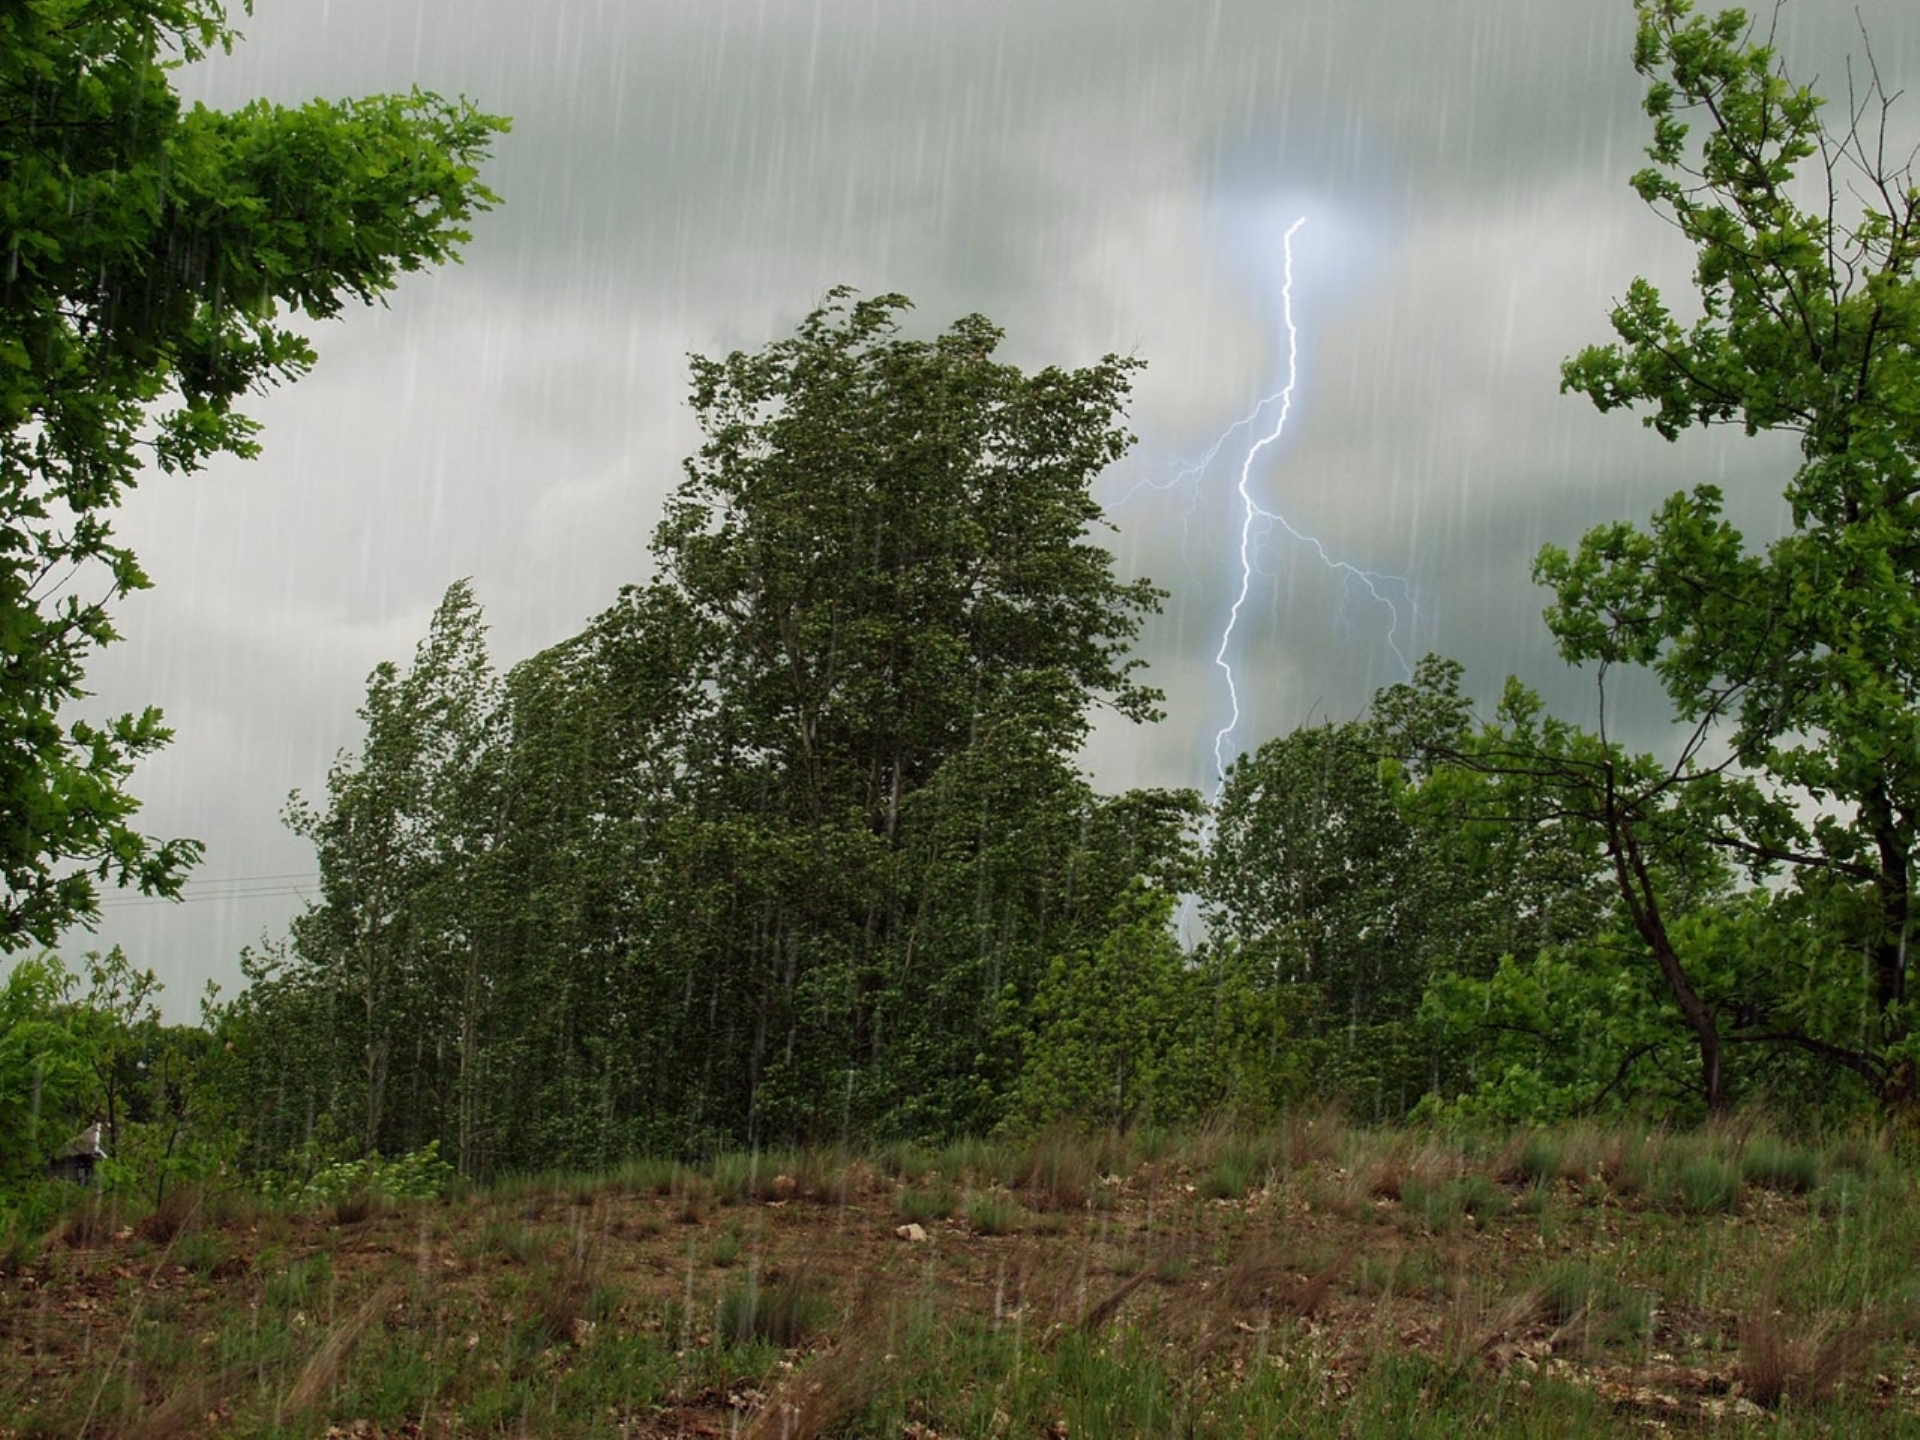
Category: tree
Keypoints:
(783, 844)
(153, 263)
(1794, 667)
(1355, 865)
(1126, 1028)
(46, 1069)
(880, 568)
(1595, 812)
(401, 846)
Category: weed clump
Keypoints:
(1060, 1171)
(1708, 1185)
(1576, 1296)
(1774, 1166)
(1787, 1359)
(1535, 1159)
(1233, 1174)
(926, 1204)
(782, 1311)
(992, 1213)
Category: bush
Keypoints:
(354, 1187)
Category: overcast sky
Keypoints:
(1095, 175)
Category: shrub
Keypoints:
(353, 1188)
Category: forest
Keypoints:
(790, 845)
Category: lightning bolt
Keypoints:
(1256, 520)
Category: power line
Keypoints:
(228, 888)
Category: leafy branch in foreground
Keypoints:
(155, 261)
(1793, 669)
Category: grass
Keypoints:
(993, 1213)
(1235, 1170)
(927, 1204)
(724, 1252)
(1773, 1165)
(783, 1311)
(1708, 1185)
(1314, 1278)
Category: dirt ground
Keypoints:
(181, 1324)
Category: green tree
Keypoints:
(881, 565)
(1628, 875)
(401, 846)
(156, 264)
(46, 1070)
(1129, 1029)
(1354, 865)
(1793, 667)
(769, 849)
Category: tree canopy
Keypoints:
(1793, 667)
(787, 841)
(790, 844)
(160, 261)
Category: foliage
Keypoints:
(1128, 1031)
(401, 847)
(1796, 660)
(72, 1056)
(45, 1069)
(1356, 866)
(160, 263)
(783, 844)
(418, 1175)
(1567, 1032)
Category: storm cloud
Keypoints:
(1099, 175)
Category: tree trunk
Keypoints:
(1643, 907)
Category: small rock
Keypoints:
(912, 1233)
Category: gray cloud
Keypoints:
(1096, 175)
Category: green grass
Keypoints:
(1708, 1185)
(782, 1311)
(1773, 1165)
(993, 1213)
(1235, 1171)
(1353, 1282)
(927, 1204)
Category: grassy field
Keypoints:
(1314, 1279)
